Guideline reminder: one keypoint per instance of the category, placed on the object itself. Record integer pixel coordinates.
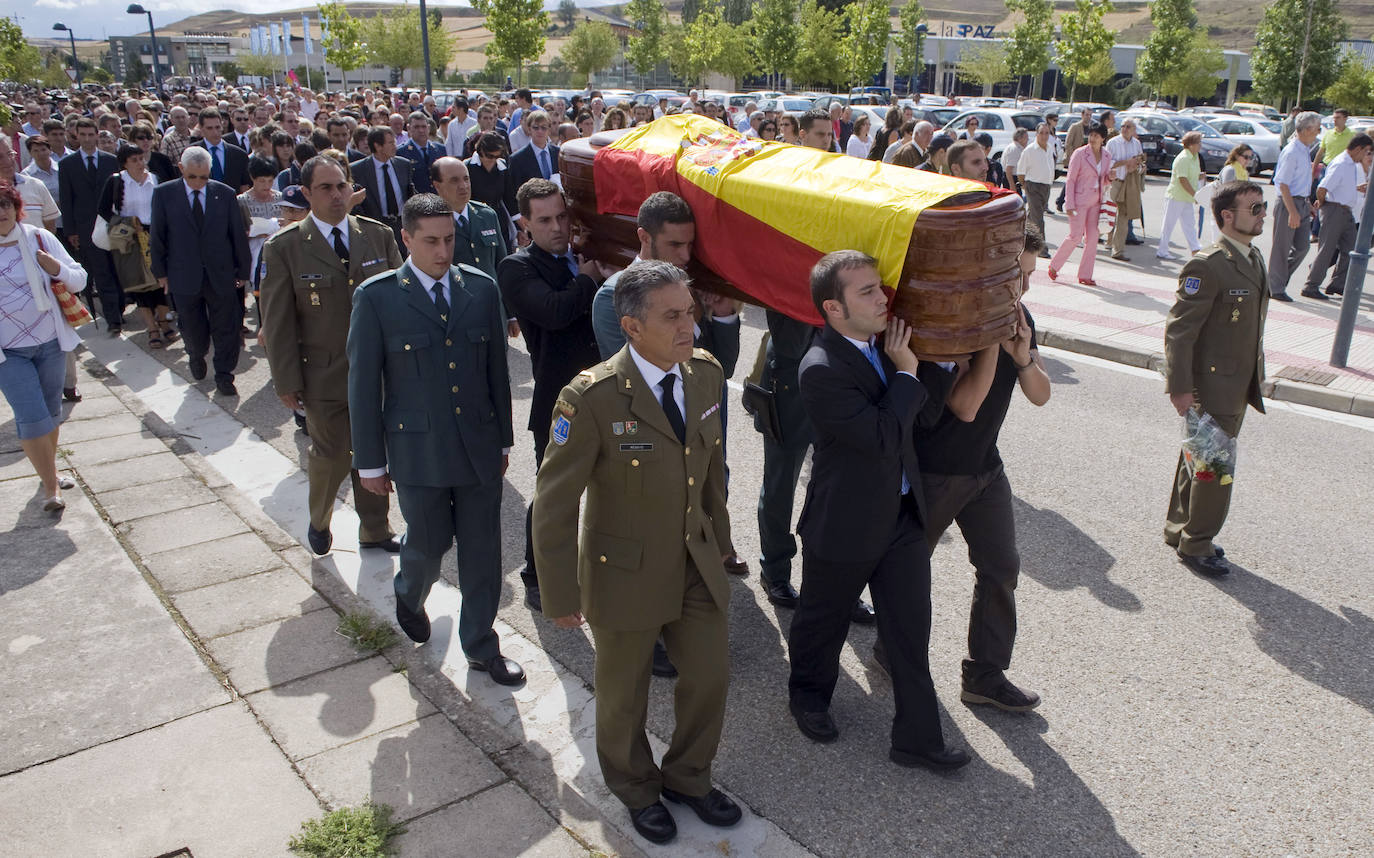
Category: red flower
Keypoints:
(1205, 476)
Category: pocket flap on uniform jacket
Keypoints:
(478, 335)
(406, 421)
(407, 342)
(614, 551)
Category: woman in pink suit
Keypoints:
(1084, 186)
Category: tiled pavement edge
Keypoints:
(277, 718)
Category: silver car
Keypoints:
(1251, 131)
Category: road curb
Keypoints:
(1278, 389)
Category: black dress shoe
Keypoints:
(1216, 549)
(226, 388)
(71, 394)
(1004, 696)
(198, 368)
(320, 540)
(390, 545)
(1212, 565)
(863, 614)
(662, 666)
(1135, 241)
(736, 566)
(502, 670)
(115, 330)
(715, 808)
(782, 594)
(1284, 297)
(654, 823)
(416, 626)
(818, 726)
(1313, 293)
(942, 760)
(1335, 290)
(532, 600)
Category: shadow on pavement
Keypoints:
(1059, 372)
(1060, 556)
(32, 555)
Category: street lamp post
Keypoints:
(918, 62)
(136, 9)
(424, 47)
(76, 64)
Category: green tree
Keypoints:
(775, 36)
(1353, 87)
(647, 48)
(230, 72)
(1028, 43)
(394, 40)
(738, 11)
(260, 65)
(590, 47)
(735, 51)
(19, 61)
(1297, 48)
(984, 64)
(817, 57)
(100, 74)
(1174, 22)
(1086, 39)
(709, 43)
(911, 42)
(864, 47)
(344, 47)
(567, 12)
(517, 29)
(1197, 72)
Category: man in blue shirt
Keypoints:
(1293, 218)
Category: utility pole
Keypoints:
(1306, 41)
(424, 47)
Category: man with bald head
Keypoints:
(478, 239)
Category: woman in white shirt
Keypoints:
(127, 199)
(859, 139)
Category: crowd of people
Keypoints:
(390, 250)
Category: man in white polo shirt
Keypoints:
(1035, 173)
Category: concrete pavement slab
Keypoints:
(78, 431)
(115, 449)
(182, 528)
(94, 408)
(341, 705)
(212, 562)
(244, 603)
(280, 652)
(21, 504)
(502, 822)
(212, 783)
(131, 471)
(123, 505)
(415, 768)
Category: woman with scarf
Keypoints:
(34, 337)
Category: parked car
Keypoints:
(999, 122)
(1251, 131)
(1262, 109)
(790, 104)
(870, 95)
(825, 101)
(1211, 156)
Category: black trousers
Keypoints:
(101, 276)
(530, 575)
(782, 466)
(900, 584)
(981, 505)
(211, 315)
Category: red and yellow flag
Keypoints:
(767, 211)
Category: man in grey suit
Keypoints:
(200, 256)
(388, 179)
(429, 396)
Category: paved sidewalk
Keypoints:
(173, 679)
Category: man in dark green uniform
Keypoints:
(478, 237)
(1214, 347)
(306, 296)
(641, 433)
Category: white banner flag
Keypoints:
(305, 34)
(286, 38)
(275, 38)
(253, 47)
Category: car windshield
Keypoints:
(1272, 127)
(1190, 124)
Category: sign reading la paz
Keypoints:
(966, 31)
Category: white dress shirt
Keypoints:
(395, 184)
(1295, 168)
(653, 376)
(518, 138)
(138, 198)
(1036, 164)
(458, 134)
(1341, 180)
(1122, 149)
(327, 230)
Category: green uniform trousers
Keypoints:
(330, 461)
(1197, 509)
(698, 645)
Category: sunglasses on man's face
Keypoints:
(1256, 210)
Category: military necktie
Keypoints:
(670, 408)
(339, 246)
(393, 208)
(440, 303)
(463, 224)
(197, 211)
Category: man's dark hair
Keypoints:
(939, 143)
(634, 284)
(461, 104)
(304, 152)
(960, 150)
(909, 127)
(123, 154)
(1035, 242)
(1359, 140)
(259, 166)
(376, 138)
(421, 115)
(1341, 110)
(662, 208)
(51, 125)
(319, 139)
(335, 122)
(208, 113)
(1224, 197)
(825, 276)
(422, 206)
(309, 167)
(524, 95)
(534, 189)
(37, 140)
(84, 122)
(811, 117)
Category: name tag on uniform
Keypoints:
(1240, 292)
(312, 276)
(636, 448)
(488, 232)
(373, 261)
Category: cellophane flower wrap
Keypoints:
(1208, 449)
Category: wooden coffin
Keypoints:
(959, 286)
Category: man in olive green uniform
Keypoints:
(1214, 347)
(641, 434)
(306, 297)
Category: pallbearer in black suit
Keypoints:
(862, 523)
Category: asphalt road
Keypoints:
(1181, 716)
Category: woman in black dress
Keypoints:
(492, 183)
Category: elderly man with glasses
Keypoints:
(1293, 217)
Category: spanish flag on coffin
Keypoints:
(766, 211)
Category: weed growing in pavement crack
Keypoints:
(367, 633)
(358, 832)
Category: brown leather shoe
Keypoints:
(736, 566)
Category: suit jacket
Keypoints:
(524, 165)
(483, 243)
(235, 165)
(365, 174)
(233, 139)
(306, 299)
(1214, 335)
(187, 257)
(429, 399)
(863, 446)
(554, 310)
(421, 159)
(652, 504)
(79, 192)
(1087, 181)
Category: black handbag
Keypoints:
(760, 402)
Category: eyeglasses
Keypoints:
(1255, 210)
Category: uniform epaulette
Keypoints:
(289, 229)
(1209, 251)
(592, 375)
(375, 277)
(481, 206)
(703, 354)
(468, 269)
(372, 221)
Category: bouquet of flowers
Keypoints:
(1208, 449)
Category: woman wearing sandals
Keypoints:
(34, 337)
(1084, 187)
(127, 200)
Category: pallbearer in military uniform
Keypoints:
(306, 295)
(429, 390)
(640, 433)
(1213, 343)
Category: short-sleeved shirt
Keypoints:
(1295, 168)
(1122, 149)
(1341, 181)
(1334, 143)
(1186, 166)
(1036, 164)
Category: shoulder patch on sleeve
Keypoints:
(565, 407)
(562, 428)
(1191, 285)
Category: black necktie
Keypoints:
(670, 408)
(90, 164)
(462, 224)
(197, 210)
(339, 247)
(440, 303)
(392, 207)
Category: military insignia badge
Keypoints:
(1191, 285)
(618, 428)
(631, 427)
(562, 427)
